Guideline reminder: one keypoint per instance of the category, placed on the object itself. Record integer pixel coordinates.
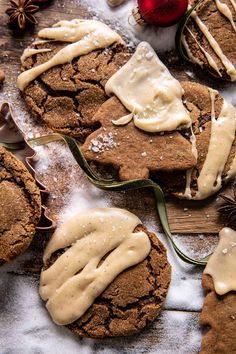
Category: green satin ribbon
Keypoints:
(112, 185)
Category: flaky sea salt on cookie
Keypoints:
(104, 274)
(65, 71)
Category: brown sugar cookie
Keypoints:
(205, 106)
(219, 310)
(210, 35)
(133, 152)
(66, 96)
(131, 300)
(219, 316)
(20, 206)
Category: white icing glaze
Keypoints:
(72, 283)
(222, 264)
(189, 53)
(187, 193)
(225, 10)
(230, 68)
(31, 51)
(148, 90)
(84, 36)
(209, 58)
(221, 140)
(233, 4)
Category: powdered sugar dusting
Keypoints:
(120, 19)
(80, 199)
(26, 328)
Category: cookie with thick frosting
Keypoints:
(67, 93)
(92, 301)
(20, 206)
(131, 151)
(218, 316)
(209, 37)
(213, 139)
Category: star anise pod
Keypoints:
(22, 12)
(229, 206)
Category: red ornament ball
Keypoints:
(162, 13)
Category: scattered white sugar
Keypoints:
(185, 291)
(103, 142)
(81, 198)
(25, 324)
(229, 93)
(120, 19)
(27, 327)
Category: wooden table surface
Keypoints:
(197, 225)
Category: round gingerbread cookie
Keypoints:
(214, 143)
(128, 300)
(209, 37)
(70, 87)
(20, 206)
(208, 146)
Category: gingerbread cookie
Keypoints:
(210, 35)
(166, 131)
(213, 138)
(141, 126)
(92, 301)
(219, 310)
(134, 152)
(20, 206)
(65, 73)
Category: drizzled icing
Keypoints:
(233, 4)
(209, 58)
(230, 68)
(189, 53)
(222, 264)
(221, 140)
(84, 36)
(148, 90)
(225, 10)
(72, 283)
(31, 51)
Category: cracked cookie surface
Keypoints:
(20, 206)
(67, 96)
(132, 300)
